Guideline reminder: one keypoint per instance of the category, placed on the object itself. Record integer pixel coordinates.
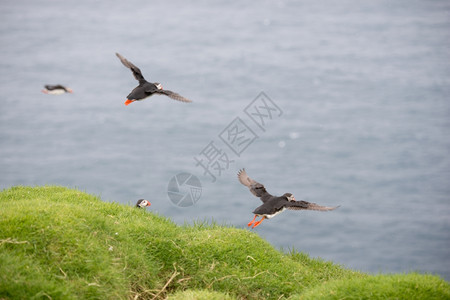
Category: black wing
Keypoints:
(136, 71)
(255, 187)
(173, 95)
(55, 87)
(305, 205)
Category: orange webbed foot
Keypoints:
(252, 221)
(259, 222)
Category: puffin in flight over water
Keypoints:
(146, 89)
(56, 89)
(273, 205)
(141, 203)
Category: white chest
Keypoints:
(273, 215)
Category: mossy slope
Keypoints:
(61, 243)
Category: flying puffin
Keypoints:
(141, 203)
(273, 205)
(56, 89)
(146, 89)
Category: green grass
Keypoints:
(59, 243)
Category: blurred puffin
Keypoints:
(141, 203)
(56, 89)
(273, 205)
(146, 89)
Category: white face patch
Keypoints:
(144, 203)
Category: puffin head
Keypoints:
(69, 90)
(158, 85)
(289, 196)
(141, 203)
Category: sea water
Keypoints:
(354, 97)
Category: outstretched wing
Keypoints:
(255, 187)
(305, 205)
(173, 95)
(136, 71)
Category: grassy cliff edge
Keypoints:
(60, 243)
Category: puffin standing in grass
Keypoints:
(273, 205)
(141, 203)
(56, 89)
(146, 89)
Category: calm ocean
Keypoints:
(340, 103)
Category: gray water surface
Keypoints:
(362, 87)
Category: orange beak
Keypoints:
(128, 101)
